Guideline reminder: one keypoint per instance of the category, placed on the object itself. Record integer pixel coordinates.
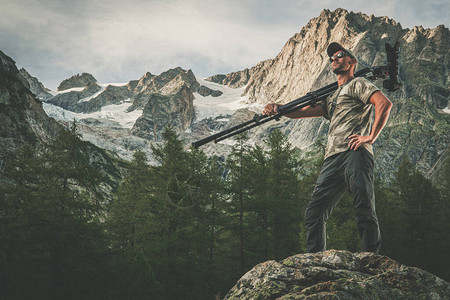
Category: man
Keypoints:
(348, 160)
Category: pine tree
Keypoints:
(57, 227)
(392, 220)
(171, 203)
(207, 187)
(420, 204)
(129, 211)
(182, 198)
(342, 232)
(441, 264)
(70, 213)
(283, 191)
(131, 234)
(19, 180)
(238, 164)
(260, 246)
(264, 200)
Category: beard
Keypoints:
(343, 67)
(339, 70)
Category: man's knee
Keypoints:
(363, 196)
(366, 215)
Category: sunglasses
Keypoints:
(337, 56)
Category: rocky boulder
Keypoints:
(206, 91)
(76, 81)
(337, 274)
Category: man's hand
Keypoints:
(304, 112)
(271, 109)
(357, 140)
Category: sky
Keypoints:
(121, 40)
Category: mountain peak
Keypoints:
(76, 81)
(7, 64)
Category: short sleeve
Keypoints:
(363, 89)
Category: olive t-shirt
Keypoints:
(349, 112)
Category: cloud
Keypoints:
(115, 40)
(182, 32)
(121, 40)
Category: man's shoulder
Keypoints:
(362, 88)
(361, 80)
(356, 83)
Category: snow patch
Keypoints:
(80, 89)
(226, 104)
(75, 89)
(113, 84)
(222, 120)
(228, 142)
(87, 99)
(117, 113)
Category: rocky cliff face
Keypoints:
(418, 126)
(23, 120)
(164, 99)
(22, 117)
(36, 87)
(235, 79)
(72, 100)
(167, 83)
(302, 65)
(338, 275)
(176, 110)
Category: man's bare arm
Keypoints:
(304, 112)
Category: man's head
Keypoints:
(342, 60)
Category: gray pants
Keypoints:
(347, 170)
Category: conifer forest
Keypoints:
(190, 226)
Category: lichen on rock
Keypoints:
(338, 274)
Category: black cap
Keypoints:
(335, 47)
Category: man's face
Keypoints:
(341, 62)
